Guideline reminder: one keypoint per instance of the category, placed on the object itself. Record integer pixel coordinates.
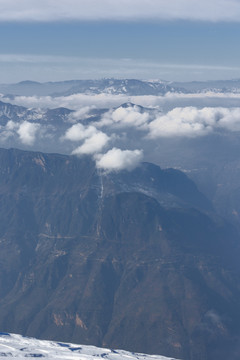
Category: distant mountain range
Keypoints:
(131, 87)
(138, 261)
(215, 86)
(108, 86)
(21, 113)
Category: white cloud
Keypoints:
(79, 132)
(11, 125)
(180, 122)
(117, 159)
(93, 144)
(191, 121)
(125, 117)
(53, 10)
(73, 102)
(76, 101)
(27, 132)
(8, 131)
(229, 119)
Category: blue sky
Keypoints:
(171, 40)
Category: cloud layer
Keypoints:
(117, 137)
(55, 10)
(82, 103)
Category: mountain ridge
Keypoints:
(119, 269)
(117, 86)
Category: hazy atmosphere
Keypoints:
(172, 40)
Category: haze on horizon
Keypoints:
(174, 40)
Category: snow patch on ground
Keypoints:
(14, 346)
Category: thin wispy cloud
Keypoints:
(123, 63)
(29, 58)
(55, 10)
(57, 68)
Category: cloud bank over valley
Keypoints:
(118, 131)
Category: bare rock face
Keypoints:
(135, 260)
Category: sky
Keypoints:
(180, 40)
